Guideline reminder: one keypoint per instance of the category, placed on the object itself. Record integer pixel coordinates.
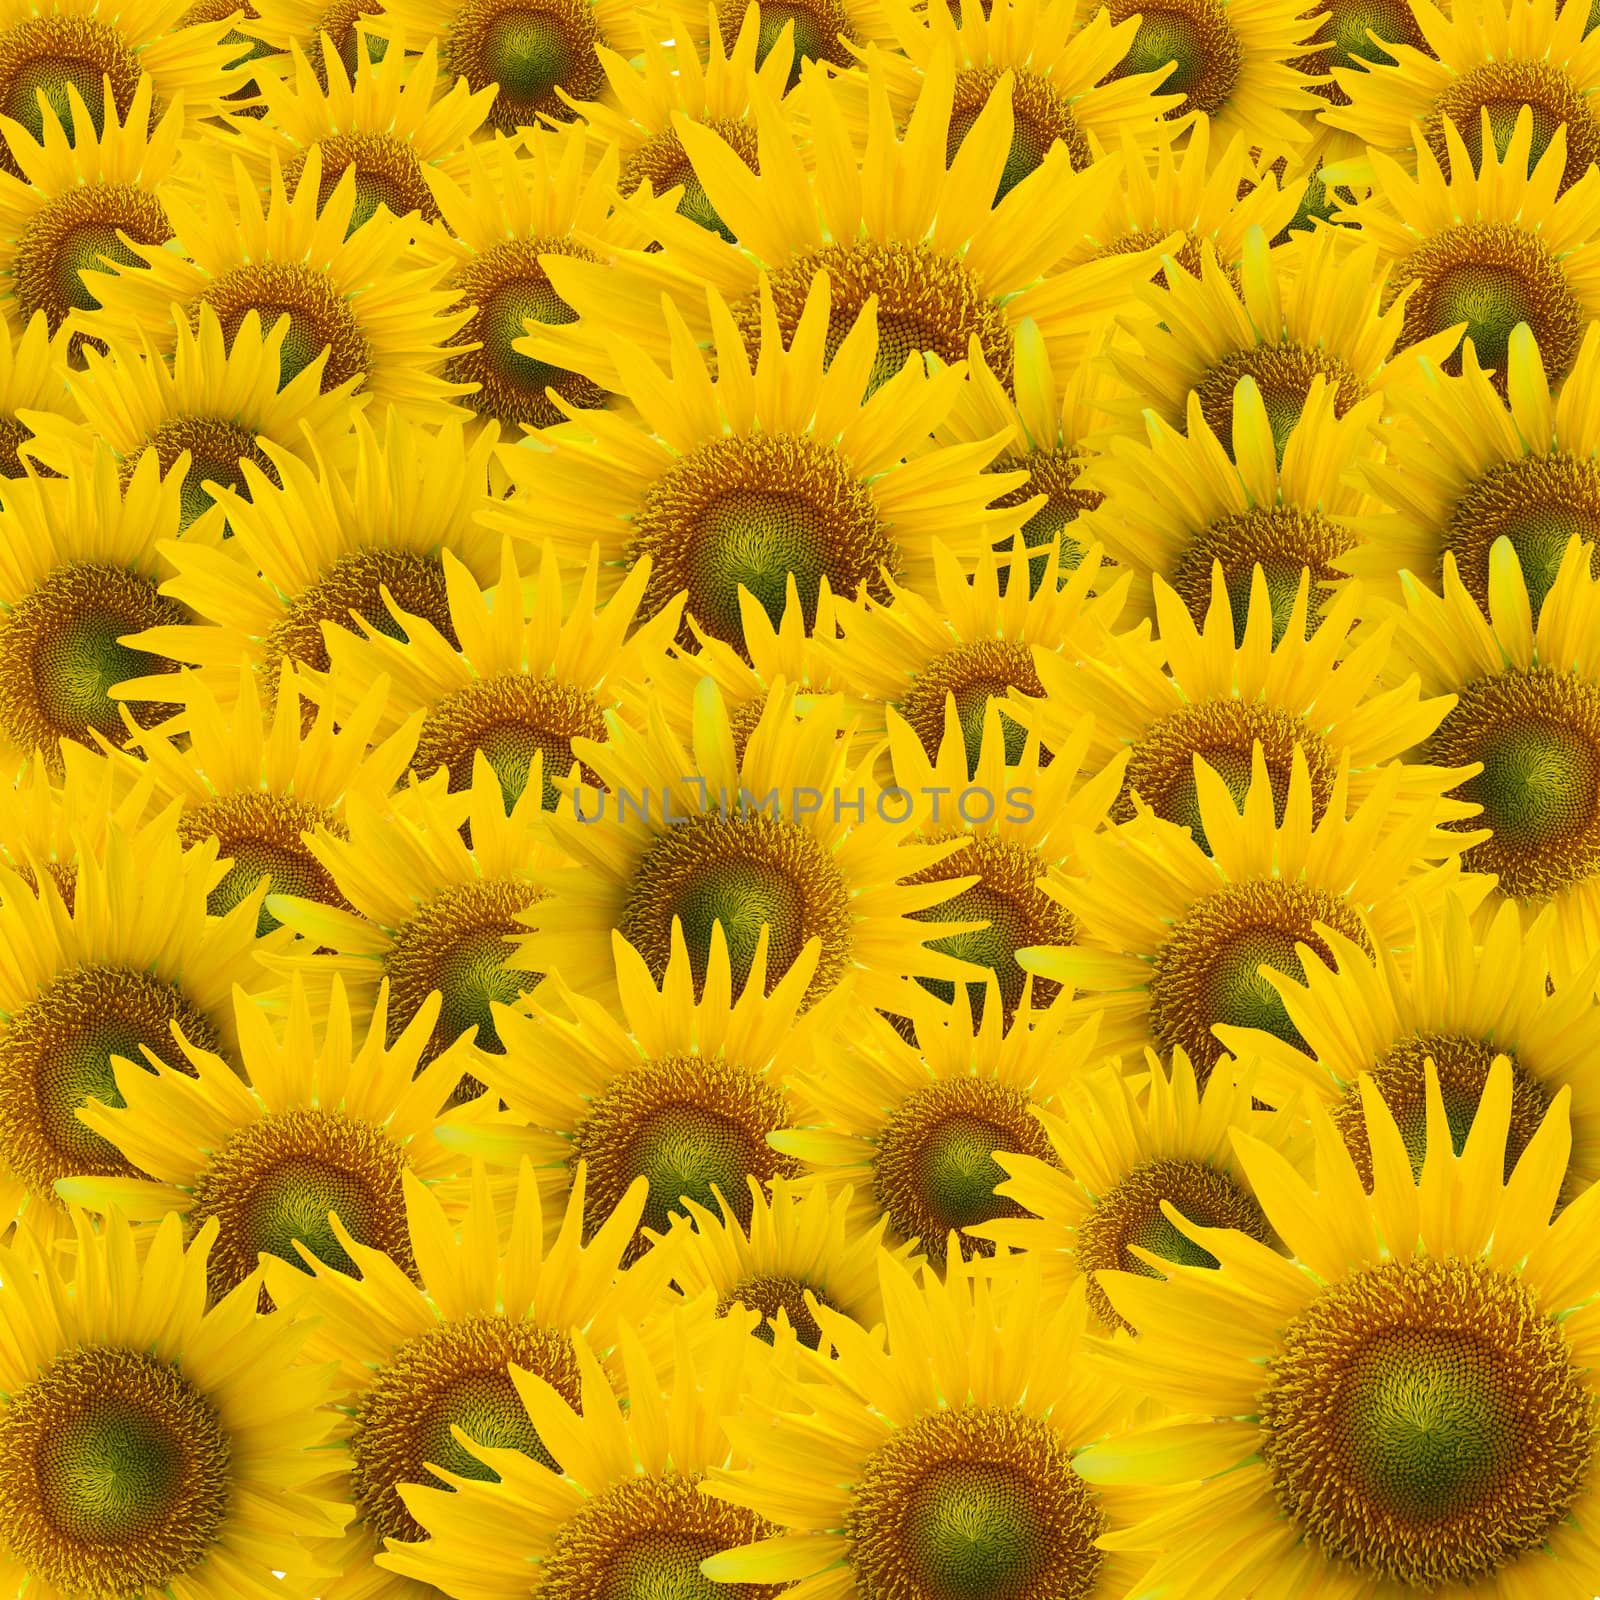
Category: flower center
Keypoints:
(646, 1537)
(746, 871)
(1283, 541)
(511, 719)
(976, 673)
(1020, 915)
(77, 233)
(453, 1375)
(1503, 88)
(1537, 734)
(1223, 733)
(1491, 276)
(1283, 374)
(277, 1181)
(928, 303)
(1424, 1422)
(664, 164)
(1040, 120)
(693, 1126)
(1400, 1075)
(1209, 969)
(1192, 37)
(528, 51)
(113, 1474)
(216, 449)
(818, 27)
(507, 289)
(1130, 1214)
(355, 582)
(460, 943)
(979, 1503)
(61, 654)
(750, 513)
(772, 1292)
(1053, 474)
(1343, 40)
(319, 316)
(935, 1171)
(56, 1053)
(50, 52)
(387, 170)
(1539, 503)
(261, 834)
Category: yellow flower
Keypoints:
(1407, 1405)
(943, 1463)
(1172, 940)
(134, 966)
(354, 301)
(150, 1444)
(504, 1295)
(1462, 998)
(326, 1120)
(774, 472)
(1528, 710)
(915, 1120)
(1469, 461)
(538, 665)
(33, 377)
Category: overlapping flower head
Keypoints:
(802, 799)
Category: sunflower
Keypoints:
(789, 842)
(413, 1366)
(796, 33)
(799, 1247)
(48, 820)
(914, 1117)
(777, 468)
(671, 80)
(1017, 813)
(616, 1505)
(313, 543)
(1489, 246)
(527, 678)
(538, 56)
(1239, 64)
(279, 25)
(942, 1464)
(1053, 414)
(135, 965)
(1313, 307)
(517, 202)
(976, 641)
(327, 1125)
(386, 119)
(79, 574)
(1528, 711)
(1460, 1000)
(428, 886)
(1469, 461)
(354, 297)
(33, 367)
(1407, 1405)
(1068, 83)
(1355, 36)
(257, 780)
(1173, 940)
(1132, 1146)
(1205, 695)
(680, 1085)
(1197, 184)
(72, 47)
(213, 402)
(1242, 498)
(150, 1443)
(883, 219)
(1483, 56)
(67, 199)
